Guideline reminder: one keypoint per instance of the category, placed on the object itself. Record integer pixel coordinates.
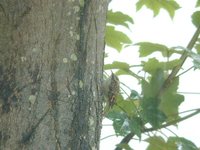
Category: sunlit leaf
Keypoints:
(196, 18)
(158, 143)
(119, 18)
(128, 72)
(170, 101)
(155, 5)
(155, 142)
(127, 106)
(117, 65)
(147, 48)
(153, 64)
(170, 104)
(198, 3)
(171, 64)
(170, 6)
(116, 39)
(123, 72)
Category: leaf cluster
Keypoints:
(156, 106)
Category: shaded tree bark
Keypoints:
(51, 64)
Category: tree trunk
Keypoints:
(51, 64)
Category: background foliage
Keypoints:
(156, 106)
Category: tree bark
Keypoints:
(51, 65)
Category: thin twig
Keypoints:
(107, 137)
(171, 132)
(188, 92)
(185, 71)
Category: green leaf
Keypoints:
(195, 57)
(147, 48)
(123, 72)
(152, 89)
(146, 89)
(119, 18)
(120, 122)
(196, 64)
(153, 64)
(117, 65)
(134, 94)
(170, 104)
(155, 142)
(157, 81)
(198, 3)
(197, 46)
(170, 101)
(128, 72)
(183, 143)
(155, 5)
(128, 107)
(158, 143)
(196, 18)
(124, 146)
(116, 39)
(151, 113)
(170, 6)
(150, 102)
(136, 126)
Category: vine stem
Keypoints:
(165, 85)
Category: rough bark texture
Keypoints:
(51, 60)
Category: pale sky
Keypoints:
(163, 30)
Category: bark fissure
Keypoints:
(54, 97)
(8, 89)
(79, 123)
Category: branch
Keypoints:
(128, 137)
(183, 57)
